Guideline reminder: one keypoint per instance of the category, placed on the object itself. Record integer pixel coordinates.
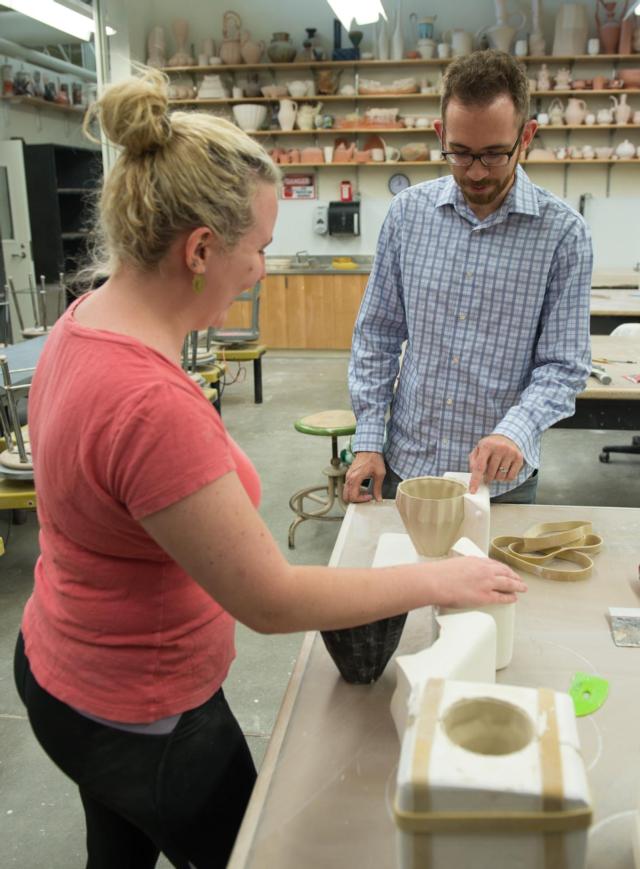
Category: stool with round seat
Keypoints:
(326, 423)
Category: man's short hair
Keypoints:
(477, 79)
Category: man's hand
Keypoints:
(364, 466)
(495, 457)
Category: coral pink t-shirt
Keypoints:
(118, 432)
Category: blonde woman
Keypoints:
(151, 543)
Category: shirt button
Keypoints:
(456, 359)
(469, 275)
(449, 401)
(445, 441)
(462, 316)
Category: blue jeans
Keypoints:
(523, 494)
(183, 793)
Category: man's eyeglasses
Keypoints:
(490, 159)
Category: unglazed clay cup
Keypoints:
(432, 510)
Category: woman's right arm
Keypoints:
(218, 537)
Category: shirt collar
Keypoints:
(521, 199)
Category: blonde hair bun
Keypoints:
(134, 113)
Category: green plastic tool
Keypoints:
(588, 693)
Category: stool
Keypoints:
(244, 354)
(333, 424)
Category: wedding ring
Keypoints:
(503, 470)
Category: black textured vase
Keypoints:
(362, 653)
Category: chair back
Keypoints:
(627, 330)
(242, 334)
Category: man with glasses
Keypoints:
(487, 278)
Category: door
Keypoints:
(15, 229)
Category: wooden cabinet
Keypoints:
(306, 312)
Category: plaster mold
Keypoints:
(491, 775)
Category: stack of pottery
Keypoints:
(230, 48)
(211, 88)
(280, 50)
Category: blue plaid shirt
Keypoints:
(496, 318)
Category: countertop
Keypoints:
(316, 264)
(322, 264)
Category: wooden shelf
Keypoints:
(324, 98)
(37, 103)
(364, 64)
(415, 131)
(399, 164)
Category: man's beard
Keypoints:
(492, 191)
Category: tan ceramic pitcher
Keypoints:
(432, 509)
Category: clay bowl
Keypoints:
(630, 76)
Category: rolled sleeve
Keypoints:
(562, 361)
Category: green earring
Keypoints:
(198, 283)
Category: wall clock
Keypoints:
(398, 182)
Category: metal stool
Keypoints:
(333, 424)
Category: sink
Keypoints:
(289, 263)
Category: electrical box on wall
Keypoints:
(321, 219)
(344, 218)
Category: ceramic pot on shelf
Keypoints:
(502, 33)
(625, 150)
(397, 38)
(621, 109)
(382, 38)
(180, 28)
(287, 114)
(571, 30)
(280, 50)
(609, 29)
(556, 112)
(251, 51)
(156, 46)
(575, 112)
(230, 49)
(461, 42)
(537, 45)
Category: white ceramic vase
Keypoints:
(287, 114)
(382, 38)
(397, 37)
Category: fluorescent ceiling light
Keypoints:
(58, 15)
(363, 11)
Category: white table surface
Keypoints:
(322, 796)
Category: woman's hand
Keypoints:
(467, 581)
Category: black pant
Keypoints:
(182, 794)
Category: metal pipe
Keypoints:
(43, 302)
(14, 296)
(13, 49)
(33, 293)
(12, 407)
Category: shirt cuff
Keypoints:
(368, 438)
(519, 431)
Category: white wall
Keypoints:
(205, 19)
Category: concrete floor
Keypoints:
(41, 822)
